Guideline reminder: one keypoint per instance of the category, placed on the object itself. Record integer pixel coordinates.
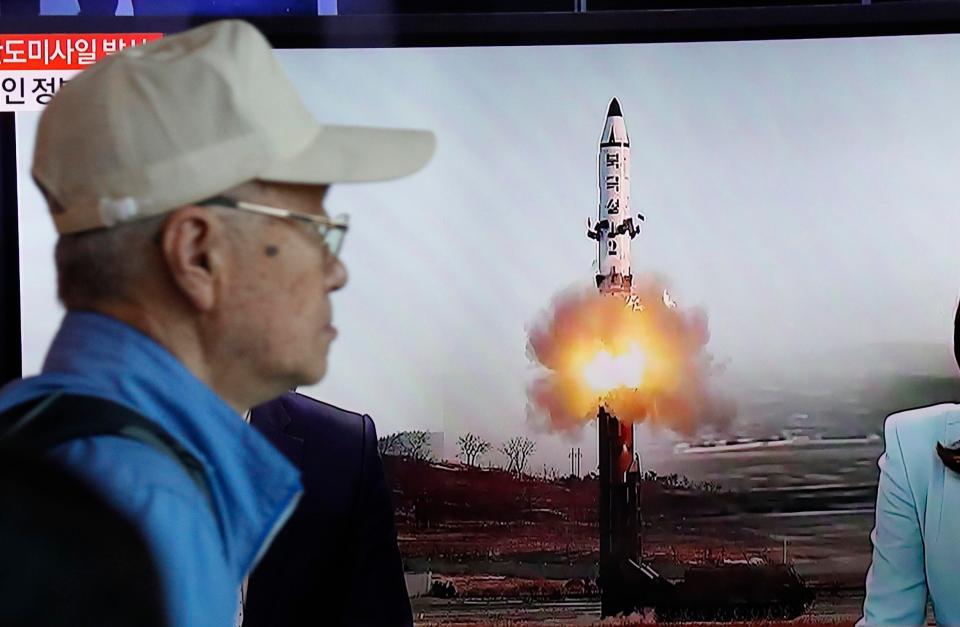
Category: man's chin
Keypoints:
(309, 373)
(318, 372)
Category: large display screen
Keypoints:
(794, 281)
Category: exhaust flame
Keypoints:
(641, 356)
(607, 372)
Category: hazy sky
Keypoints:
(802, 192)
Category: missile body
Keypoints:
(615, 227)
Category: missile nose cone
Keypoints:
(614, 110)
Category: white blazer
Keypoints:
(916, 538)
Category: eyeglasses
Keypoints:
(331, 230)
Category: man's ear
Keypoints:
(195, 247)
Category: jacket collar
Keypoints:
(274, 419)
(951, 430)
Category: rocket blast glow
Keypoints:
(671, 370)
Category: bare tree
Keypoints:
(416, 445)
(471, 448)
(390, 444)
(518, 451)
(413, 444)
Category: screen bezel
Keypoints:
(814, 21)
(462, 30)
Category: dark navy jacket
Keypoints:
(336, 561)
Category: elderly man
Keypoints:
(196, 261)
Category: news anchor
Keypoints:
(916, 538)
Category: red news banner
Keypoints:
(34, 67)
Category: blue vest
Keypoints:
(202, 554)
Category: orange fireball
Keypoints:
(643, 357)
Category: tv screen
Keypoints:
(793, 283)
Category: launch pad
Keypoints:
(620, 548)
(707, 592)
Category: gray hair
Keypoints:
(102, 265)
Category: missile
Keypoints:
(619, 504)
(615, 227)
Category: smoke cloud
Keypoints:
(584, 333)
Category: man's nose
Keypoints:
(337, 276)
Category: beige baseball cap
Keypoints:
(182, 119)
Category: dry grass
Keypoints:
(498, 587)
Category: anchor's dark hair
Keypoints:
(951, 456)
